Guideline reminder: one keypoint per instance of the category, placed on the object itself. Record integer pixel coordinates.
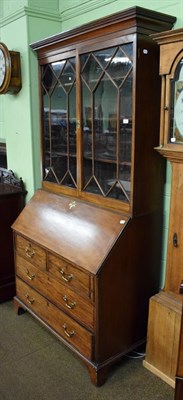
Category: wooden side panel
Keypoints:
(163, 335)
(10, 206)
(179, 373)
(180, 356)
(129, 277)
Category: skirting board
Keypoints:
(159, 373)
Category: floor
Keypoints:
(34, 365)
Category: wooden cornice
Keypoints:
(171, 154)
(137, 19)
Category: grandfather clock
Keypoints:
(165, 307)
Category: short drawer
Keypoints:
(69, 274)
(77, 306)
(70, 330)
(31, 252)
(30, 274)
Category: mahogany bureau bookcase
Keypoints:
(88, 243)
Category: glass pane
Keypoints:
(176, 106)
(119, 67)
(126, 121)
(117, 191)
(50, 175)
(59, 133)
(46, 136)
(105, 134)
(72, 121)
(67, 77)
(87, 121)
(91, 72)
(87, 171)
(104, 56)
(49, 80)
(59, 165)
(128, 50)
(105, 173)
(57, 67)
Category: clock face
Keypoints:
(177, 106)
(10, 71)
(178, 113)
(2, 67)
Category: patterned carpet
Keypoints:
(34, 365)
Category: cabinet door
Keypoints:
(174, 269)
(58, 83)
(176, 105)
(106, 85)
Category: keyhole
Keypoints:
(175, 240)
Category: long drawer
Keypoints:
(70, 330)
(72, 302)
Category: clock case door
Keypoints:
(171, 54)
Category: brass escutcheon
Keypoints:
(72, 204)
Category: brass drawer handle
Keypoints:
(66, 277)
(71, 305)
(30, 276)
(30, 301)
(29, 252)
(68, 333)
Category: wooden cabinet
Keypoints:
(87, 245)
(12, 195)
(170, 147)
(163, 336)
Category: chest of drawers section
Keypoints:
(69, 274)
(56, 291)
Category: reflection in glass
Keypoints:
(106, 78)
(59, 130)
(119, 67)
(176, 106)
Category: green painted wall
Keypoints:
(25, 21)
(77, 12)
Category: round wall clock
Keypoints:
(10, 70)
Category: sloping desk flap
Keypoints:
(80, 232)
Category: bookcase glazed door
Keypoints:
(106, 83)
